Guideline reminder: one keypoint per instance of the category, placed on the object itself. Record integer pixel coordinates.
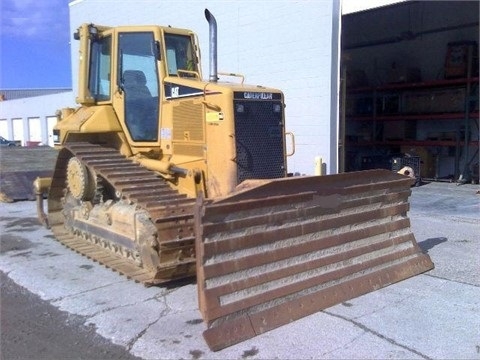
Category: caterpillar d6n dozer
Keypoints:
(162, 175)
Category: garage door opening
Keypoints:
(410, 89)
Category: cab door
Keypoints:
(138, 86)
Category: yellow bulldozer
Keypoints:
(162, 175)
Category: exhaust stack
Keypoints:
(213, 45)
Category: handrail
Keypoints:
(234, 75)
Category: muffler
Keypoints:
(213, 46)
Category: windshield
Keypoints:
(180, 54)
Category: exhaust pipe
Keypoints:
(213, 45)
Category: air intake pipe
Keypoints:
(213, 45)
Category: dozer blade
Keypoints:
(287, 248)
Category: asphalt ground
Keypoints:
(435, 315)
(32, 328)
(20, 166)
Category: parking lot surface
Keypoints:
(435, 315)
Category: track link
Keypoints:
(169, 211)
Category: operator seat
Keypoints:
(135, 84)
(139, 106)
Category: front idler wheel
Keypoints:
(81, 183)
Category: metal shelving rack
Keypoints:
(376, 119)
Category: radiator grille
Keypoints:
(259, 140)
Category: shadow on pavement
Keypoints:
(427, 244)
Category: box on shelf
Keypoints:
(447, 135)
(457, 59)
(445, 101)
(434, 101)
(416, 102)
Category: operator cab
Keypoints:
(145, 56)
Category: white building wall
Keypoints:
(27, 119)
(4, 127)
(285, 44)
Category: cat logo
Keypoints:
(175, 91)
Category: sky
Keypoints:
(34, 44)
(35, 35)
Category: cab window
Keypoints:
(180, 54)
(100, 59)
(137, 67)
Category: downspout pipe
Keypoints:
(213, 45)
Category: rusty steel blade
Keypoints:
(279, 250)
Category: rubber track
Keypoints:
(168, 209)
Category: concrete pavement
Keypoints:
(435, 315)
